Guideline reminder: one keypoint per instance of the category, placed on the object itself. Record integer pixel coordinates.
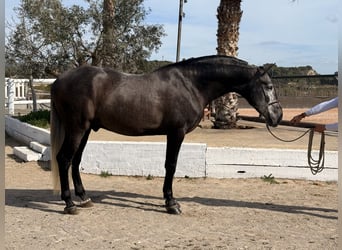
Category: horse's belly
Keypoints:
(132, 125)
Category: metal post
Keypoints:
(180, 18)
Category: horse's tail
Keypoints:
(56, 140)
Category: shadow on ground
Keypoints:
(43, 199)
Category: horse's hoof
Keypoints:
(173, 207)
(173, 210)
(71, 210)
(86, 203)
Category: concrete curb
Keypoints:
(230, 162)
(195, 159)
(26, 133)
(141, 158)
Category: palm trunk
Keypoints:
(229, 15)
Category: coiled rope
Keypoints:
(316, 166)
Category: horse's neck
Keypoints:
(221, 81)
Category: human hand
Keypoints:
(296, 119)
(319, 128)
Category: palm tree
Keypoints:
(229, 15)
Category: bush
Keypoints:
(39, 118)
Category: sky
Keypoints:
(290, 34)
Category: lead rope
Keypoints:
(283, 140)
(316, 166)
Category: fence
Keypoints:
(306, 85)
(20, 88)
(17, 93)
(302, 91)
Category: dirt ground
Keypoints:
(128, 212)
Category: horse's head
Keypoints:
(263, 97)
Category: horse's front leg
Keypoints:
(174, 142)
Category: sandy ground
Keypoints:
(128, 212)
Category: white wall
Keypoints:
(195, 159)
(141, 158)
(226, 162)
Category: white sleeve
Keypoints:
(323, 106)
(332, 127)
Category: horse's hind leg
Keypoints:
(174, 142)
(64, 158)
(79, 189)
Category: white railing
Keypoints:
(16, 92)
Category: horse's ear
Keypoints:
(269, 67)
(263, 70)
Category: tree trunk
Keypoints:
(33, 93)
(108, 32)
(229, 15)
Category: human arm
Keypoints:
(321, 107)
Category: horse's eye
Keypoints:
(269, 87)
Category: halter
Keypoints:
(274, 102)
(270, 103)
(263, 89)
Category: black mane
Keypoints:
(217, 59)
(209, 60)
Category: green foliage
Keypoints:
(288, 85)
(39, 118)
(51, 37)
(270, 179)
(149, 177)
(290, 71)
(105, 174)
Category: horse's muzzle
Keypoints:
(274, 114)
